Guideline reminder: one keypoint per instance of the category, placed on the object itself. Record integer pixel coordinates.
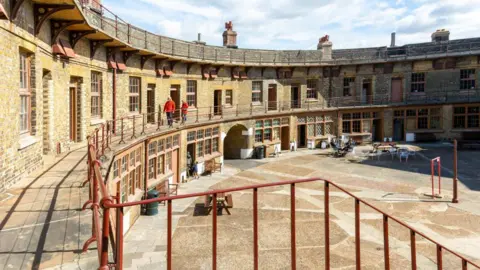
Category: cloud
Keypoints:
(298, 24)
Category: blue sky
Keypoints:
(298, 24)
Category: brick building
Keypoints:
(70, 68)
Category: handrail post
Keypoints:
(121, 133)
(236, 110)
(251, 108)
(255, 229)
(96, 141)
(103, 140)
(159, 118)
(143, 124)
(221, 112)
(439, 257)
(455, 180)
(133, 134)
(266, 106)
(292, 227)
(210, 113)
(357, 234)
(119, 235)
(196, 120)
(327, 225)
(386, 246)
(214, 231)
(105, 235)
(413, 251)
(169, 234)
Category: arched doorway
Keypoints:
(234, 142)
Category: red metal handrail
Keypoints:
(107, 202)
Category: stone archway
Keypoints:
(235, 141)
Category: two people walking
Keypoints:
(169, 109)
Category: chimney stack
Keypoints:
(199, 40)
(229, 36)
(392, 40)
(440, 35)
(325, 45)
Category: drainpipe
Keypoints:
(114, 101)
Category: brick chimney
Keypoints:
(325, 45)
(229, 36)
(440, 35)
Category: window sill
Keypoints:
(27, 141)
(97, 121)
(256, 103)
(312, 100)
(417, 93)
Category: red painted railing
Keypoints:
(100, 200)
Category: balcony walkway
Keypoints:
(42, 227)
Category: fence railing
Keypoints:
(102, 18)
(106, 234)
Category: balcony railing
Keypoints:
(103, 19)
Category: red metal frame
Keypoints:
(439, 167)
(108, 202)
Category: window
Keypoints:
(139, 178)
(258, 135)
(168, 162)
(134, 96)
(131, 183)
(466, 117)
(124, 164)
(160, 164)
(191, 136)
(96, 95)
(467, 79)
(422, 123)
(276, 134)
(123, 188)
(356, 126)
(229, 97)
(357, 122)
(215, 145)
(346, 126)
(208, 145)
(418, 82)
(192, 93)
(421, 118)
(312, 89)
(257, 91)
(25, 94)
(200, 149)
(151, 168)
(115, 169)
(348, 86)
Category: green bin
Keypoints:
(152, 208)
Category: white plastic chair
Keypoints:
(393, 152)
(412, 153)
(403, 153)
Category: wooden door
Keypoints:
(285, 138)
(295, 97)
(151, 103)
(397, 90)
(175, 165)
(73, 113)
(175, 95)
(217, 102)
(272, 97)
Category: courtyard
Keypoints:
(42, 224)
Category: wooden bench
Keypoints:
(223, 202)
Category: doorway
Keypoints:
(367, 96)
(377, 130)
(175, 95)
(301, 136)
(285, 138)
(295, 97)
(151, 103)
(73, 113)
(397, 90)
(398, 128)
(272, 97)
(217, 102)
(234, 142)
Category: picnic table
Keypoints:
(384, 145)
(224, 201)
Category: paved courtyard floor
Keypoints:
(41, 225)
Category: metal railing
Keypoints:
(106, 234)
(103, 19)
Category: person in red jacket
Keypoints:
(184, 111)
(169, 109)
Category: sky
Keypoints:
(298, 24)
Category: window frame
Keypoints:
(467, 80)
(192, 93)
(25, 92)
(466, 115)
(257, 90)
(312, 92)
(229, 97)
(355, 122)
(348, 90)
(96, 91)
(417, 84)
(135, 90)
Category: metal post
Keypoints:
(327, 226)
(455, 180)
(439, 166)
(292, 227)
(255, 228)
(121, 133)
(169, 235)
(214, 232)
(119, 235)
(266, 106)
(386, 246)
(413, 251)
(236, 110)
(133, 134)
(210, 113)
(143, 124)
(357, 233)
(221, 112)
(432, 168)
(103, 140)
(439, 257)
(251, 108)
(105, 234)
(196, 121)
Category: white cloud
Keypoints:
(290, 24)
